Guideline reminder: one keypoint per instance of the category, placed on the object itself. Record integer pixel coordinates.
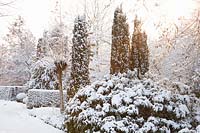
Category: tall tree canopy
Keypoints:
(120, 43)
(80, 56)
(139, 53)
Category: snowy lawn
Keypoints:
(49, 115)
(15, 118)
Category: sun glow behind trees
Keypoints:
(175, 9)
(159, 14)
(37, 13)
(156, 15)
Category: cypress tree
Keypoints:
(134, 52)
(80, 57)
(144, 55)
(139, 53)
(120, 43)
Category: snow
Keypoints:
(49, 115)
(120, 102)
(198, 128)
(15, 118)
(5, 93)
(21, 96)
(43, 75)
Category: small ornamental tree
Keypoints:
(43, 75)
(139, 53)
(120, 43)
(80, 57)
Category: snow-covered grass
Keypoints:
(15, 118)
(49, 115)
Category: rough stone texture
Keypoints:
(43, 98)
(10, 92)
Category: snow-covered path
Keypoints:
(14, 118)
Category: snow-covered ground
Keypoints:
(49, 115)
(15, 118)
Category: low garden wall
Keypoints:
(10, 92)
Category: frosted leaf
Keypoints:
(158, 107)
(182, 111)
(116, 100)
(132, 109)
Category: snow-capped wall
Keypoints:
(44, 98)
(10, 92)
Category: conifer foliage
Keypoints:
(120, 43)
(80, 56)
(139, 53)
(41, 49)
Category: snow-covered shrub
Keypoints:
(196, 82)
(44, 98)
(20, 97)
(43, 75)
(176, 87)
(25, 100)
(124, 103)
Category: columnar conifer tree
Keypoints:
(139, 53)
(136, 40)
(80, 56)
(144, 55)
(120, 43)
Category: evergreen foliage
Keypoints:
(139, 53)
(51, 48)
(80, 57)
(41, 49)
(120, 43)
(43, 75)
(125, 104)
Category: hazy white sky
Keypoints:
(37, 13)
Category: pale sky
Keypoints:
(37, 13)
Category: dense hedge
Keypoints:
(43, 98)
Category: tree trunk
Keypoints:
(59, 75)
